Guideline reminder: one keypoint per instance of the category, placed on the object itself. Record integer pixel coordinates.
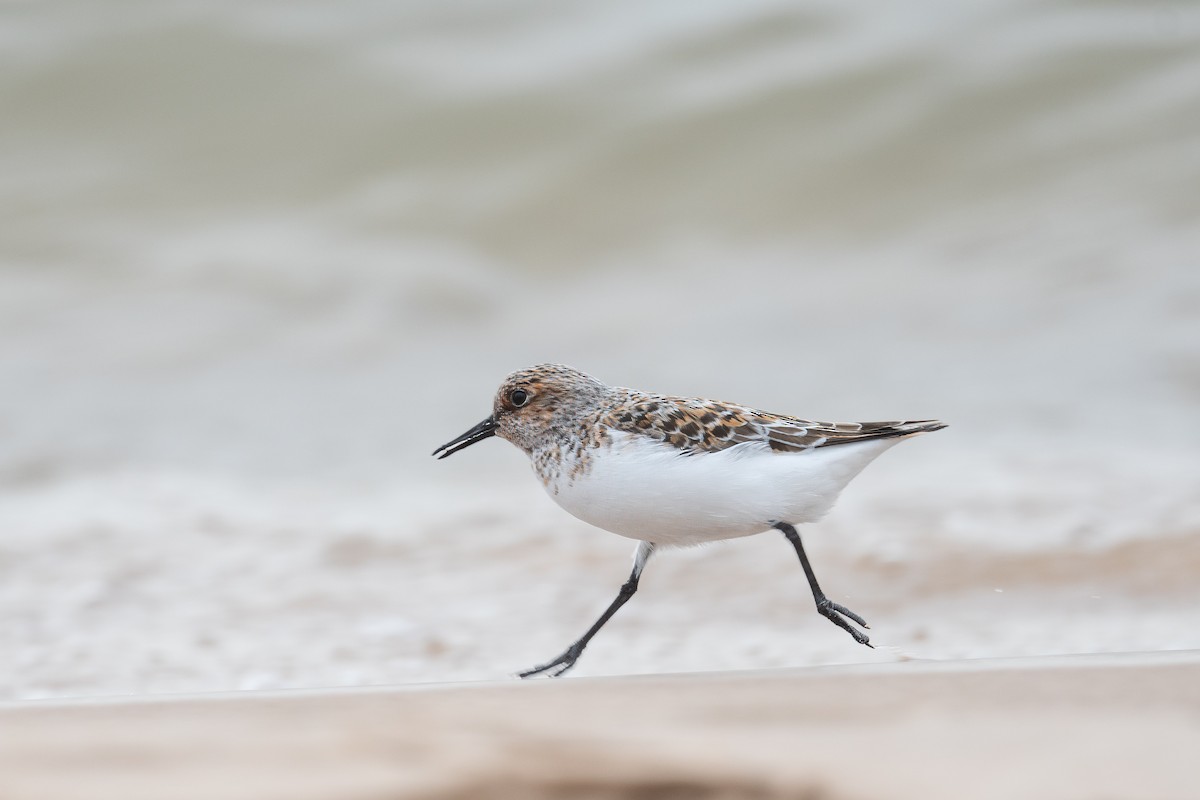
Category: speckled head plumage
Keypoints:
(532, 405)
(539, 407)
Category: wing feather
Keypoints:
(696, 425)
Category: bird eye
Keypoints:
(519, 397)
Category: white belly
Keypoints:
(647, 490)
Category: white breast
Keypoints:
(648, 490)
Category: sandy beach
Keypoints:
(1117, 726)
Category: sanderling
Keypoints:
(678, 471)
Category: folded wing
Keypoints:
(696, 425)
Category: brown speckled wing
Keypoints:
(695, 425)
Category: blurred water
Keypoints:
(258, 258)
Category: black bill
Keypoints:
(484, 430)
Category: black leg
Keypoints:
(567, 659)
(825, 607)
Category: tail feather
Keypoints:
(886, 430)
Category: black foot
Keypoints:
(558, 666)
(834, 613)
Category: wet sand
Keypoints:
(1113, 726)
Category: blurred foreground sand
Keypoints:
(1116, 726)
